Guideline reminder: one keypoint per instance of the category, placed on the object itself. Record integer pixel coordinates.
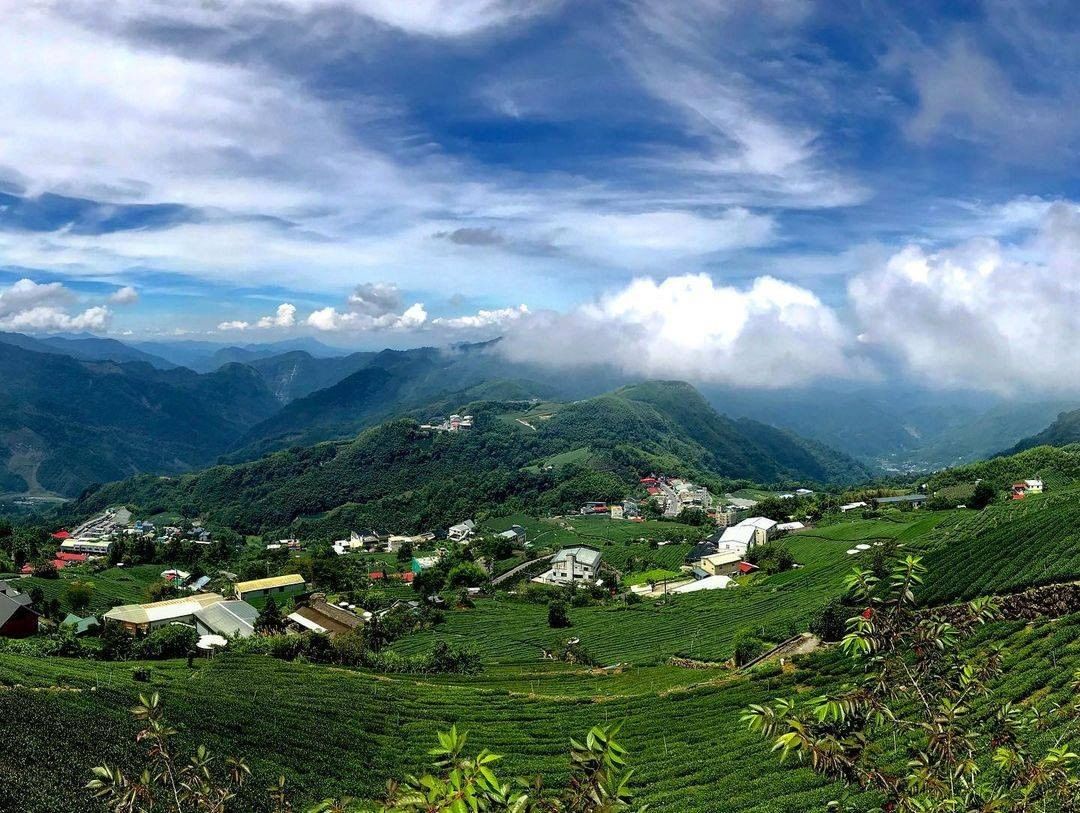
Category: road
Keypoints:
(514, 571)
(671, 500)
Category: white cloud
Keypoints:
(452, 18)
(26, 294)
(27, 305)
(497, 318)
(982, 314)
(330, 319)
(283, 317)
(124, 296)
(428, 18)
(643, 238)
(964, 93)
(756, 144)
(771, 334)
(235, 324)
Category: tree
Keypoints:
(428, 582)
(466, 574)
(830, 624)
(747, 647)
(557, 617)
(693, 516)
(167, 783)
(45, 569)
(163, 590)
(983, 495)
(78, 594)
(922, 695)
(270, 621)
(171, 641)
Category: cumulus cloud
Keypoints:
(371, 306)
(771, 334)
(375, 299)
(125, 296)
(981, 314)
(27, 305)
(283, 317)
(498, 317)
(331, 319)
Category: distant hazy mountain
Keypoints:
(86, 347)
(297, 373)
(206, 356)
(1064, 430)
(395, 476)
(895, 425)
(66, 423)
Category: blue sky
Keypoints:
(384, 173)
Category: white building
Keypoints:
(157, 614)
(462, 531)
(92, 547)
(764, 528)
(580, 563)
(790, 526)
(851, 506)
(738, 538)
(1034, 486)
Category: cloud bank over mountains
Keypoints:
(765, 193)
(977, 314)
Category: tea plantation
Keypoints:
(333, 730)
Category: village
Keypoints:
(420, 572)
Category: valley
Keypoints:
(422, 529)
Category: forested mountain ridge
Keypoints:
(66, 423)
(673, 416)
(400, 476)
(1064, 430)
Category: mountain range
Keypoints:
(535, 456)
(80, 409)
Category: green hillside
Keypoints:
(65, 423)
(332, 731)
(398, 476)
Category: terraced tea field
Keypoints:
(1007, 548)
(700, 625)
(333, 730)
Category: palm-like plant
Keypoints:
(917, 698)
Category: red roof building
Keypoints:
(71, 558)
(61, 535)
(747, 567)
